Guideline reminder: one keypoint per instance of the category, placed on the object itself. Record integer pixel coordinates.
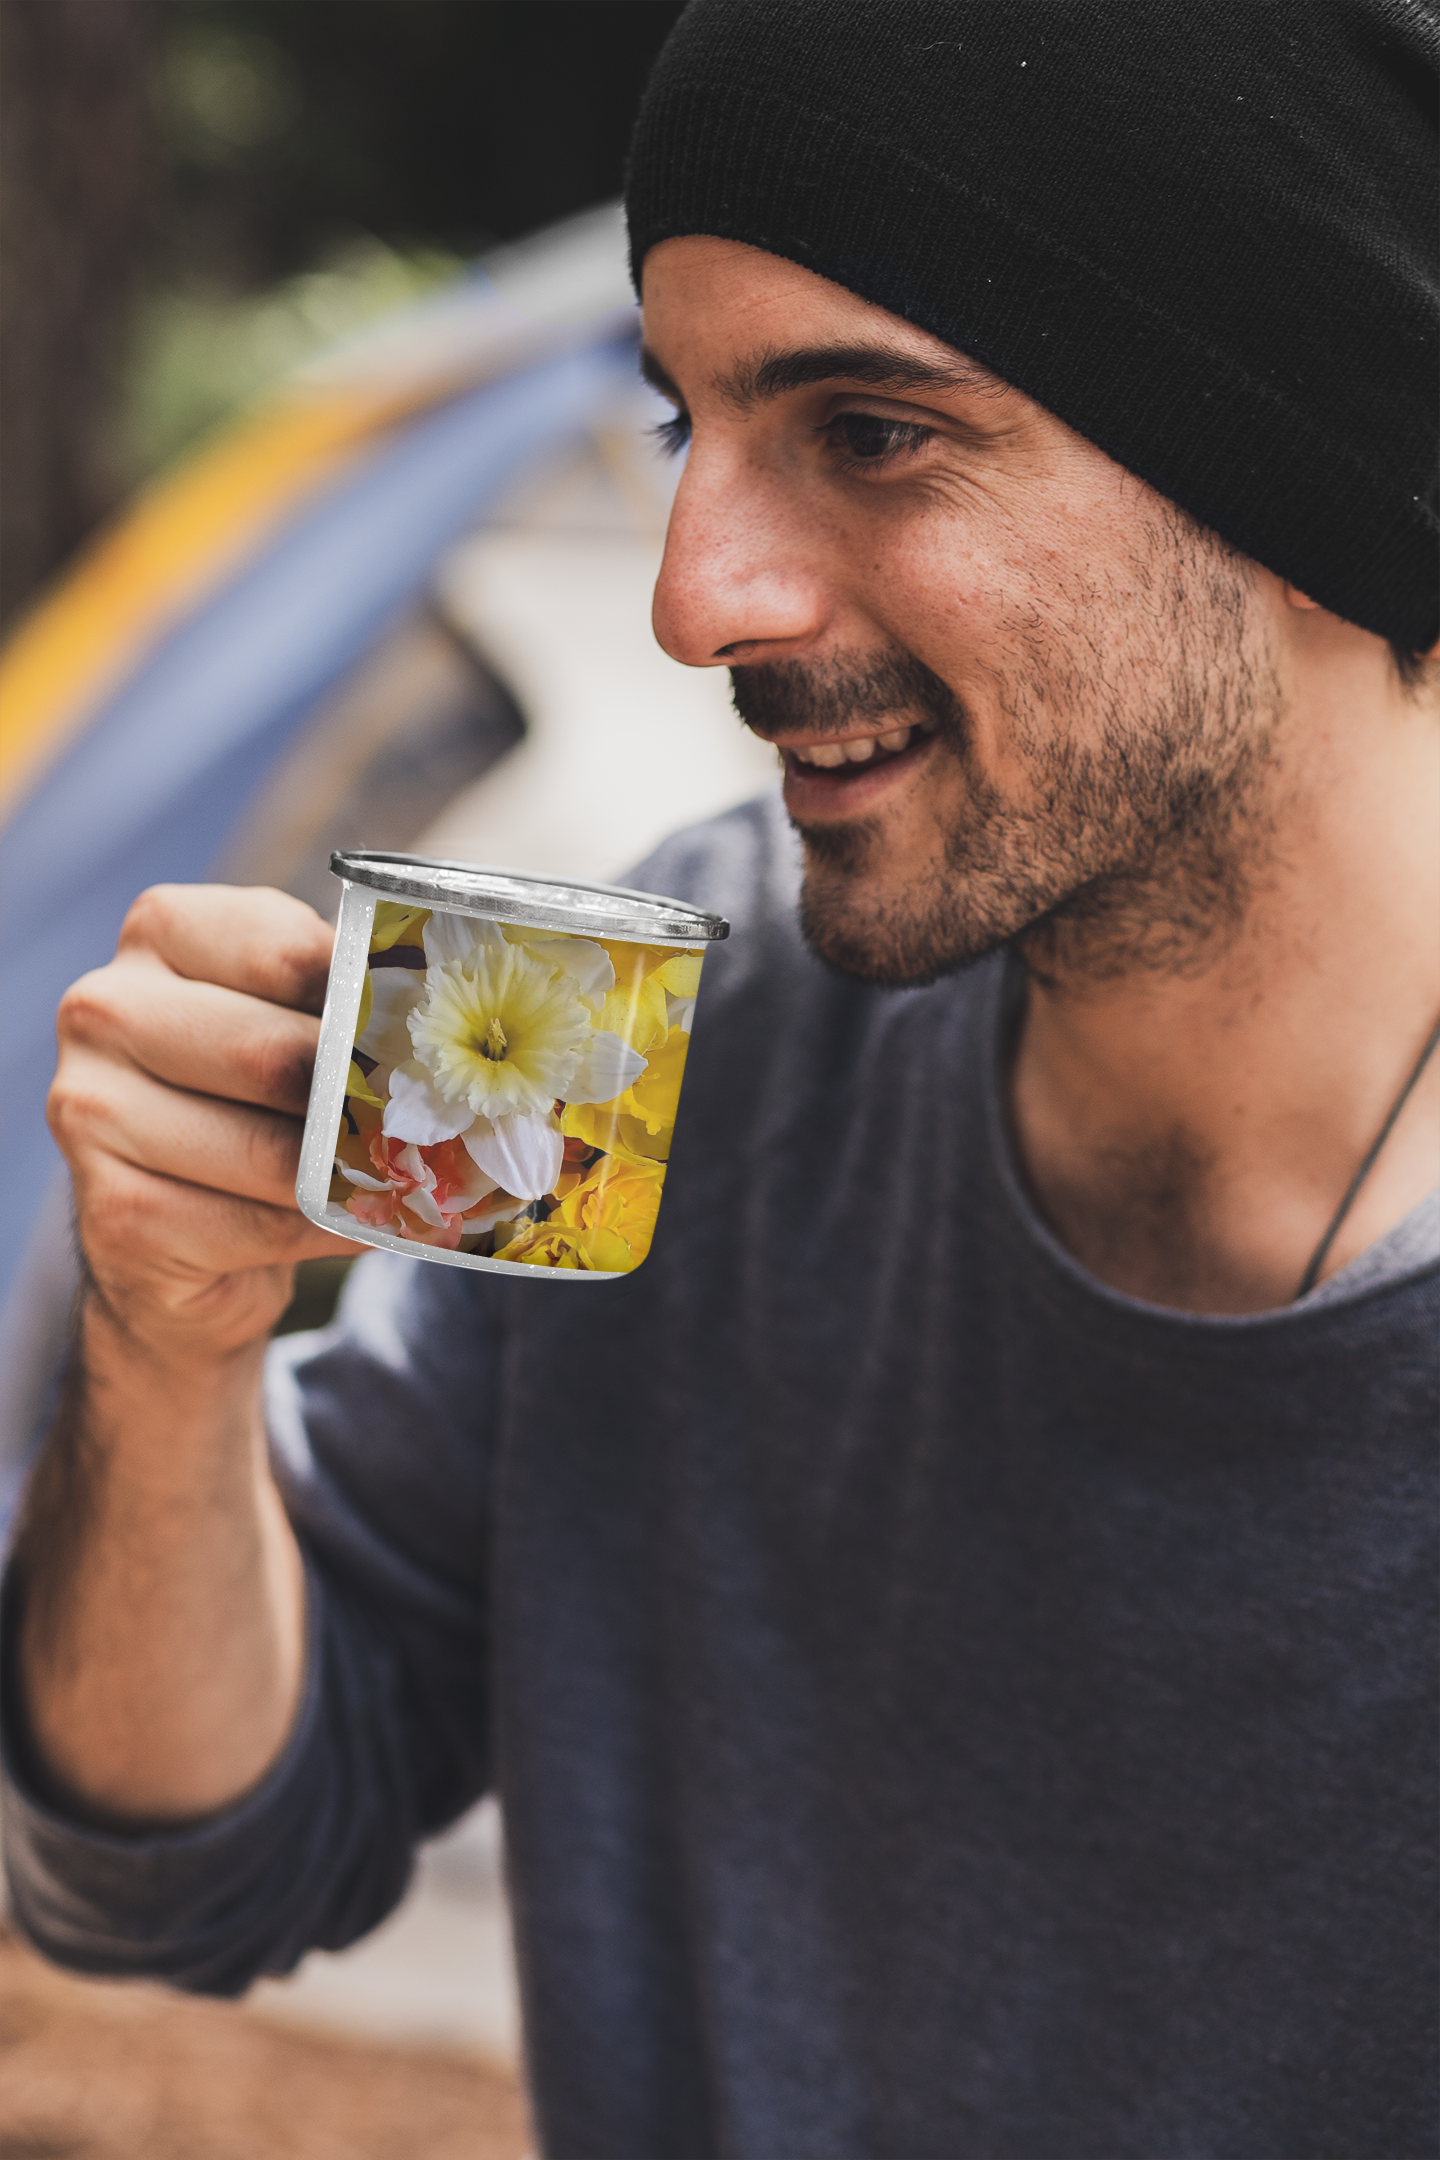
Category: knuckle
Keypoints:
(151, 916)
(301, 962)
(79, 1107)
(273, 1152)
(70, 1114)
(86, 1012)
(283, 1232)
(280, 1063)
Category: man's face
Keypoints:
(1018, 695)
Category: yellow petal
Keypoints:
(607, 1126)
(561, 1246)
(641, 1143)
(656, 1094)
(358, 1087)
(397, 925)
(609, 1254)
(680, 974)
(635, 1011)
(617, 1198)
(631, 960)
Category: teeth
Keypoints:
(858, 750)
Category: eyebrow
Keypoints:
(772, 373)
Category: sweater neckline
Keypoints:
(1375, 1273)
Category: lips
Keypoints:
(852, 755)
(846, 777)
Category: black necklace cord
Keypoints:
(1317, 1259)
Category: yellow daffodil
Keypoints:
(619, 1197)
(653, 1098)
(606, 1126)
(679, 976)
(595, 1252)
(640, 1123)
(396, 924)
(636, 1012)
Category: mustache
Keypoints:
(828, 696)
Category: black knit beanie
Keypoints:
(1202, 232)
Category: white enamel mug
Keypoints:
(500, 1065)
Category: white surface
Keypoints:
(623, 744)
(439, 1971)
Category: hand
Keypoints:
(179, 1103)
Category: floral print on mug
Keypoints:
(512, 1092)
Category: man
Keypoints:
(953, 1634)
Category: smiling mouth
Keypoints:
(857, 753)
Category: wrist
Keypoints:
(190, 1340)
(161, 1393)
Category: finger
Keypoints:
(248, 938)
(217, 1313)
(216, 1041)
(105, 1107)
(214, 1308)
(137, 1226)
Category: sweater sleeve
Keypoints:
(380, 1433)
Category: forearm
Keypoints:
(162, 1602)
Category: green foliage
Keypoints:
(319, 162)
(197, 355)
(223, 91)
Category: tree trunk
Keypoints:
(74, 187)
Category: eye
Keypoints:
(869, 439)
(672, 434)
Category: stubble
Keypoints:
(1141, 723)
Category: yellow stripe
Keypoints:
(176, 540)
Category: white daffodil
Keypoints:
(586, 962)
(500, 1031)
(394, 994)
(524, 1155)
(500, 1028)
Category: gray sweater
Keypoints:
(944, 1710)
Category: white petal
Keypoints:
(420, 1203)
(679, 1012)
(522, 1153)
(418, 1111)
(487, 1214)
(395, 992)
(607, 1067)
(458, 937)
(414, 1165)
(587, 964)
(476, 1186)
(358, 1177)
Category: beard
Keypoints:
(1133, 826)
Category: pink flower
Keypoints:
(431, 1195)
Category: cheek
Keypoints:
(937, 591)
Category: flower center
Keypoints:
(495, 1042)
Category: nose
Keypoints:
(740, 579)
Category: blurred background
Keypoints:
(330, 517)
